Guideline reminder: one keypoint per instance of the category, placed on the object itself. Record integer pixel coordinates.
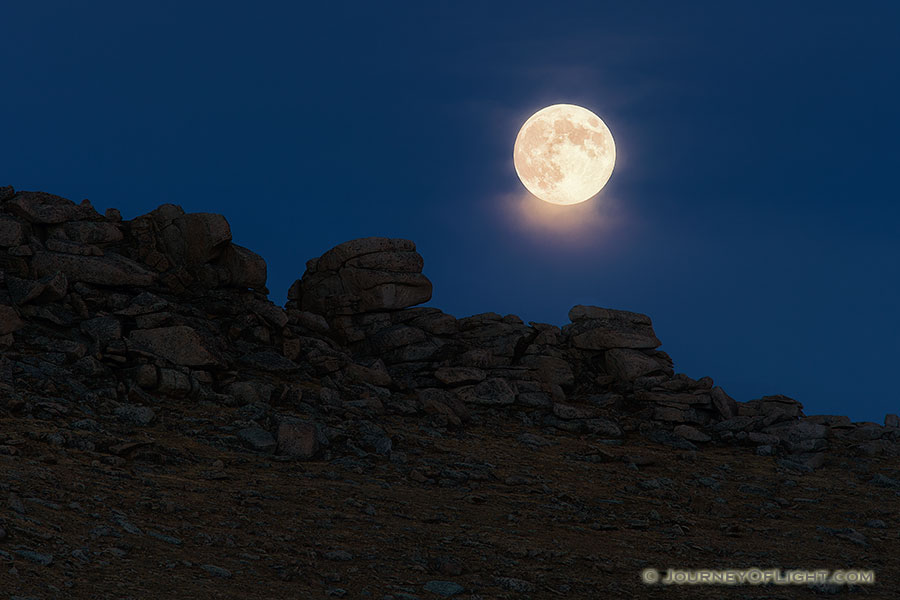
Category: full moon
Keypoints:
(564, 154)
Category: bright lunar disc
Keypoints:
(564, 154)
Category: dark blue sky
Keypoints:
(752, 214)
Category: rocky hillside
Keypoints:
(139, 358)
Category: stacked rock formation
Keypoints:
(105, 319)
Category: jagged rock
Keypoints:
(595, 328)
(360, 276)
(108, 270)
(180, 345)
(723, 403)
(891, 420)
(46, 289)
(44, 209)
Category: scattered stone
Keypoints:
(44, 560)
(884, 481)
(446, 589)
(515, 585)
(136, 415)
(165, 538)
(216, 571)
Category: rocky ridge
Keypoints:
(104, 316)
(108, 326)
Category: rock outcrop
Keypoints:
(107, 313)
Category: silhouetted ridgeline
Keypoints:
(102, 318)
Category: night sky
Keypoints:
(753, 212)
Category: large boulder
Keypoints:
(627, 365)
(195, 238)
(246, 269)
(362, 276)
(595, 328)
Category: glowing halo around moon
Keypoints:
(564, 154)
